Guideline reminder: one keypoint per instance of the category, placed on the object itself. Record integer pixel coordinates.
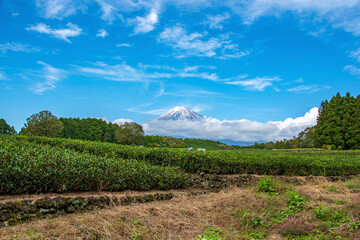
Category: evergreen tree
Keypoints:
(6, 129)
(338, 123)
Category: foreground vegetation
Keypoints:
(334, 163)
(274, 209)
(28, 167)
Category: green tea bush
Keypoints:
(28, 167)
(332, 163)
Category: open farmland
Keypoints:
(327, 163)
(86, 190)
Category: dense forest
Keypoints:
(337, 128)
(45, 123)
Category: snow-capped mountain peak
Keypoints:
(181, 113)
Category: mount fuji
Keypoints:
(181, 113)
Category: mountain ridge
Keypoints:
(180, 113)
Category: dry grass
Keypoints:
(184, 217)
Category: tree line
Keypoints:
(46, 124)
(337, 127)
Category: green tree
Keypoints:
(338, 123)
(43, 123)
(6, 129)
(91, 129)
(129, 133)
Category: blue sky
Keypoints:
(263, 61)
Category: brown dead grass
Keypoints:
(184, 217)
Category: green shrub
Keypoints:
(266, 184)
(27, 167)
(334, 163)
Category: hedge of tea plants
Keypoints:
(28, 167)
(332, 163)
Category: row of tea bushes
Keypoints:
(337, 163)
(28, 167)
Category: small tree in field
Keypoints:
(5, 128)
(43, 123)
(129, 133)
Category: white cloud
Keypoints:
(356, 54)
(107, 9)
(215, 22)
(126, 73)
(194, 44)
(72, 30)
(255, 84)
(193, 93)
(102, 33)
(237, 130)
(352, 69)
(58, 9)
(145, 24)
(307, 88)
(338, 13)
(120, 72)
(15, 14)
(349, 25)
(49, 76)
(123, 45)
(17, 47)
(121, 121)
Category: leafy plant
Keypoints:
(210, 233)
(266, 185)
(135, 235)
(250, 219)
(329, 214)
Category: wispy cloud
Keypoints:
(59, 9)
(349, 25)
(307, 88)
(237, 130)
(356, 54)
(108, 10)
(193, 93)
(102, 33)
(215, 22)
(145, 24)
(72, 30)
(255, 84)
(123, 45)
(198, 44)
(338, 13)
(142, 73)
(120, 72)
(17, 47)
(352, 69)
(49, 76)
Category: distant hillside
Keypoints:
(172, 142)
